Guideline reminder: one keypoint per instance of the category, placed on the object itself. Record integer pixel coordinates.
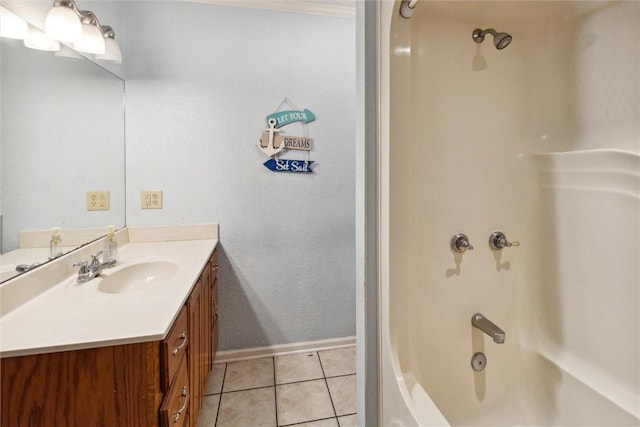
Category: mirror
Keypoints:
(62, 135)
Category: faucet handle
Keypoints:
(94, 258)
(83, 264)
(460, 243)
(498, 241)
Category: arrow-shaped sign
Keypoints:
(285, 117)
(296, 166)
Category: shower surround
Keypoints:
(539, 140)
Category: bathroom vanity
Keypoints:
(132, 347)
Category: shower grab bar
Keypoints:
(488, 327)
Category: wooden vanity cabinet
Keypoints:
(99, 387)
(203, 333)
(142, 384)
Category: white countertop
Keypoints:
(71, 316)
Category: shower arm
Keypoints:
(478, 36)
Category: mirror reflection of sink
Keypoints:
(7, 271)
(134, 276)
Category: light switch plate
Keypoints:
(98, 201)
(151, 199)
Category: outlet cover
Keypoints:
(151, 199)
(98, 201)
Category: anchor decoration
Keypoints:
(271, 143)
(270, 150)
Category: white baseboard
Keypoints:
(279, 350)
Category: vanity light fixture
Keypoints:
(12, 26)
(67, 23)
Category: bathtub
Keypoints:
(539, 140)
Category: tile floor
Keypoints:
(315, 389)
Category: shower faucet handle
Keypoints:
(460, 243)
(498, 241)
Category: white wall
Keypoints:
(200, 80)
(605, 93)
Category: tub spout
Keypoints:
(488, 327)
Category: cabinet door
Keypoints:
(194, 351)
(214, 321)
(213, 298)
(206, 324)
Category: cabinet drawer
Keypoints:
(174, 348)
(173, 411)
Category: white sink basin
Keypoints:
(136, 276)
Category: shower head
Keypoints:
(500, 40)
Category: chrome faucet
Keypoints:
(488, 327)
(26, 267)
(89, 270)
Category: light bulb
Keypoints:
(92, 40)
(11, 26)
(36, 39)
(63, 24)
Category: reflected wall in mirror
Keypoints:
(62, 135)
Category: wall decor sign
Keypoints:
(286, 117)
(288, 165)
(273, 143)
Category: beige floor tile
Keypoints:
(247, 374)
(209, 411)
(214, 382)
(303, 402)
(343, 394)
(297, 367)
(255, 408)
(329, 422)
(348, 421)
(341, 361)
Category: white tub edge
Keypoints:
(403, 401)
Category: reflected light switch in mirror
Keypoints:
(98, 201)
(151, 199)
